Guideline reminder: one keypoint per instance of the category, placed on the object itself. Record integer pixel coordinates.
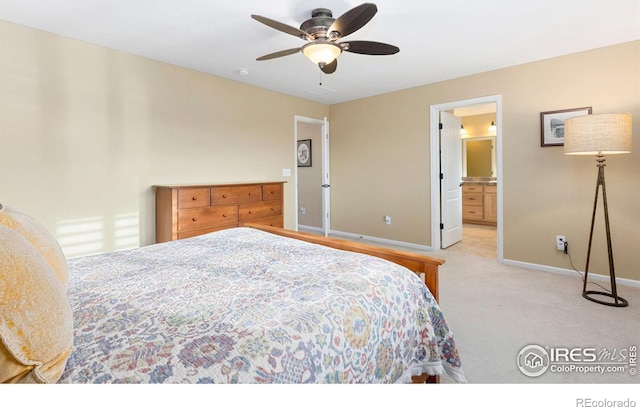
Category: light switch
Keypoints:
(286, 172)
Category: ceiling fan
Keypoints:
(323, 33)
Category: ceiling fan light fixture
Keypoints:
(321, 53)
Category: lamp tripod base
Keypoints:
(617, 301)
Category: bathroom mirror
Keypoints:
(479, 157)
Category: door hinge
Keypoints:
(441, 176)
(440, 126)
(442, 226)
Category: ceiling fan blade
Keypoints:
(330, 67)
(279, 54)
(353, 19)
(369, 48)
(282, 27)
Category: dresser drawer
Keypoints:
(275, 221)
(472, 212)
(193, 198)
(249, 212)
(271, 192)
(236, 195)
(471, 188)
(207, 217)
(490, 189)
(198, 232)
(472, 199)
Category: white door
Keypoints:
(326, 184)
(450, 179)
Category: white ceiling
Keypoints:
(437, 40)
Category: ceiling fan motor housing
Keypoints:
(320, 21)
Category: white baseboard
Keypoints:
(310, 229)
(379, 240)
(558, 270)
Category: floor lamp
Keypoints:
(599, 134)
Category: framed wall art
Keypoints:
(552, 125)
(304, 153)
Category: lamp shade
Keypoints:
(321, 52)
(598, 134)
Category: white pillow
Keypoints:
(36, 321)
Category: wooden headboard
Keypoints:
(425, 266)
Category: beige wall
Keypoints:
(380, 159)
(85, 132)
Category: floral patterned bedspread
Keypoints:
(246, 306)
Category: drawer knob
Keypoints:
(224, 195)
(194, 219)
(224, 215)
(194, 198)
(250, 212)
(249, 193)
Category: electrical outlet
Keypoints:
(560, 240)
(387, 219)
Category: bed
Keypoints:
(257, 305)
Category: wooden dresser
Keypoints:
(190, 210)
(479, 203)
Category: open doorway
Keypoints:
(441, 163)
(312, 175)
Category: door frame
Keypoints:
(326, 208)
(436, 242)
